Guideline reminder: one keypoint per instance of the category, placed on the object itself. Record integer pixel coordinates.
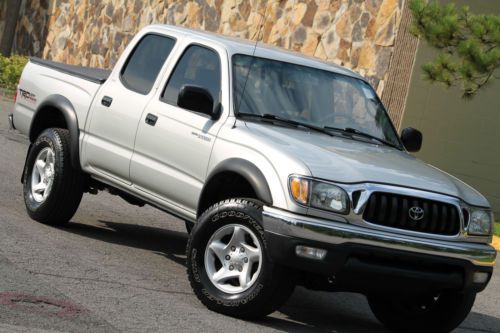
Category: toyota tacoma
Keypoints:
(286, 170)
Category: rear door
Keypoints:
(171, 156)
(119, 104)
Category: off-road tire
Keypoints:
(402, 313)
(274, 284)
(67, 187)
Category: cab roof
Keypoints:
(235, 45)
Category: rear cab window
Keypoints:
(145, 62)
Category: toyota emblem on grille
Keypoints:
(416, 213)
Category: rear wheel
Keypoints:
(438, 312)
(228, 265)
(52, 188)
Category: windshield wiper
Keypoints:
(350, 130)
(269, 116)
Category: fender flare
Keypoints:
(250, 172)
(65, 107)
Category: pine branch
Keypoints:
(468, 44)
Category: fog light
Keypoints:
(310, 252)
(480, 277)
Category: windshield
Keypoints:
(310, 96)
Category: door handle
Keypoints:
(151, 119)
(106, 101)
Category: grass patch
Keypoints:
(496, 229)
(10, 72)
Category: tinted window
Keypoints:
(198, 66)
(145, 62)
(308, 95)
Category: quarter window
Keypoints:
(198, 66)
(144, 64)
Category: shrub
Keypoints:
(10, 71)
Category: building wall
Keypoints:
(358, 34)
(397, 82)
(3, 7)
(460, 136)
(32, 26)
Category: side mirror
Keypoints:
(412, 139)
(197, 99)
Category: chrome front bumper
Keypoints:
(336, 233)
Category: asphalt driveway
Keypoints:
(117, 267)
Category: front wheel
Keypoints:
(428, 312)
(228, 265)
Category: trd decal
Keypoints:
(26, 95)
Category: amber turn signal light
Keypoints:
(300, 189)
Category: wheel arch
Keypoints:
(241, 170)
(57, 111)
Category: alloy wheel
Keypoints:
(233, 258)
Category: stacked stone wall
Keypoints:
(3, 8)
(358, 34)
(32, 27)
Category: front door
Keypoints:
(171, 156)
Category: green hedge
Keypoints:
(10, 71)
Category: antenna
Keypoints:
(263, 21)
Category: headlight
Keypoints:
(319, 195)
(480, 222)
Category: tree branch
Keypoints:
(468, 51)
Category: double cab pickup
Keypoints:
(286, 170)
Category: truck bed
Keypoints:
(95, 75)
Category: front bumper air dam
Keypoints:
(361, 259)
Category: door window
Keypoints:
(198, 66)
(143, 65)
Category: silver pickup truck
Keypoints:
(286, 170)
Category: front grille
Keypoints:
(393, 210)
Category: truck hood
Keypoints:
(348, 161)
